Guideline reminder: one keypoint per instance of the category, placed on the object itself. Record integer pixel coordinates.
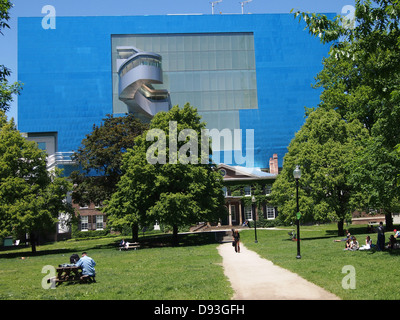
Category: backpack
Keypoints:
(74, 258)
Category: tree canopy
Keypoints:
(360, 80)
(172, 190)
(31, 198)
(100, 158)
(323, 148)
(6, 90)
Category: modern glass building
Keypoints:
(249, 76)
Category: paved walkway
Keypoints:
(255, 278)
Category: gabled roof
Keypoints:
(244, 173)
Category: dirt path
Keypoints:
(255, 278)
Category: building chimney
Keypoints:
(273, 164)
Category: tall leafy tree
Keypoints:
(31, 198)
(100, 158)
(168, 175)
(323, 148)
(6, 90)
(361, 80)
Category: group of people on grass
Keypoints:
(352, 244)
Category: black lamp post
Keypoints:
(253, 200)
(297, 175)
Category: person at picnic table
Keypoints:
(396, 233)
(368, 243)
(87, 264)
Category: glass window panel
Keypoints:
(171, 44)
(196, 46)
(180, 62)
(213, 81)
(212, 43)
(196, 60)
(187, 43)
(163, 44)
(156, 44)
(204, 81)
(212, 61)
(219, 43)
(229, 82)
(188, 60)
(139, 43)
(227, 59)
(188, 85)
(179, 43)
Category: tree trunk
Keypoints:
(32, 239)
(175, 236)
(389, 220)
(340, 225)
(135, 232)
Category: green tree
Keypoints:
(100, 158)
(31, 198)
(168, 175)
(323, 148)
(6, 90)
(360, 80)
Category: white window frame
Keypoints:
(270, 212)
(84, 223)
(99, 222)
(248, 213)
(247, 191)
(268, 189)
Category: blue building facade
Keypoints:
(242, 72)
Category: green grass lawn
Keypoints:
(376, 273)
(193, 271)
(187, 272)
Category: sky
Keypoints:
(33, 8)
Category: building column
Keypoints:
(230, 214)
(240, 213)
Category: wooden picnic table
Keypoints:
(68, 274)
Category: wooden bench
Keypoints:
(67, 274)
(134, 245)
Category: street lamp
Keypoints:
(253, 200)
(297, 176)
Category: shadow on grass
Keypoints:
(185, 240)
(12, 254)
(152, 241)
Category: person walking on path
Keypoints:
(236, 239)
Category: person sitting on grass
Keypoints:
(348, 244)
(368, 243)
(348, 236)
(354, 244)
(392, 243)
